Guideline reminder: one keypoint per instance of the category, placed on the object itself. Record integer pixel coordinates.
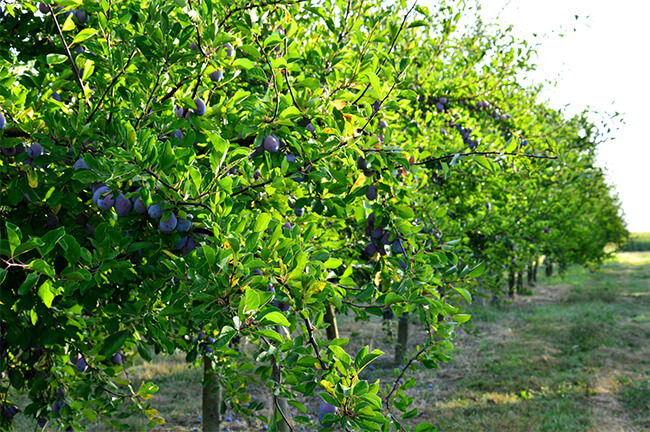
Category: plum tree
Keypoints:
(76, 279)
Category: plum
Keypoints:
(383, 124)
(200, 107)
(189, 246)
(117, 358)
(370, 249)
(178, 111)
(182, 242)
(371, 194)
(230, 50)
(271, 144)
(3, 121)
(168, 225)
(139, 206)
(177, 134)
(286, 226)
(56, 96)
(9, 151)
(325, 408)
(42, 422)
(361, 163)
(155, 211)
(216, 75)
(183, 225)
(398, 248)
(35, 150)
(81, 365)
(105, 201)
(99, 192)
(10, 412)
(81, 164)
(299, 211)
(310, 128)
(193, 46)
(291, 158)
(122, 205)
(81, 16)
(43, 8)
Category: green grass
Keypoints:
(575, 359)
(572, 356)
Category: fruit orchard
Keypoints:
(182, 176)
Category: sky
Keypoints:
(598, 60)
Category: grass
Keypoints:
(572, 356)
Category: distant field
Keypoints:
(639, 242)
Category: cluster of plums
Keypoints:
(33, 151)
(379, 239)
(466, 135)
(81, 16)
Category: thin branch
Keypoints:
(110, 86)
(261, 5)
(67, 50)
(275, 82)
(486, 153)
(314, 345)
(399, 377)
(293, 97)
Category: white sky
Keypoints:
(602, 61)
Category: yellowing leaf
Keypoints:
(32, 178)
(360, 182)
(316, 287)
(328, 386)
(339, 104)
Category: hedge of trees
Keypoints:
(181, 176)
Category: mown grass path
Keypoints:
(573, 356)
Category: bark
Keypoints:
(330, 318)
(402, 338)
(549, 268)
(511, 283)
(211, 398)
(520, 282)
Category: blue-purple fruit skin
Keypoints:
(155, 211)
(383, 124)
(182, 242)
(200, 107)
(371, 194)
(325, 408)
(271, 144)
(3, 121)
(311, 128)
(216, 75)
(105, 201)
(99, 192)
(81, 16)
(178, 134)
(230, 50)
(168, 225)
(81, 365)
(183, 225)
(35, 150)
(122, 206)
(370, 249)
(56, 96)
(139, 206)
(81, 164)
(42, 422)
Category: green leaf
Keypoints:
(83, 35)
(477, 271)
(53, 59)
(243, 63)
(461, 318)
(15, 236)
(30, 282)
(333, 263)
(42, 267)
(273, 39)
(274, 318)
(374, 81)
(464, 293)
(261, 222)
(46, 294)
(271, 334)
(114, 342)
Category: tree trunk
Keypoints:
(211, 398)
(330, 318)
(530, 278)
(511, 283)
(279, 403)
(549, 268)
(520, 282)
(402, 338)
(535, 265)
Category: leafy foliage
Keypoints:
(182, 176)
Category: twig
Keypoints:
(314, 345)
(252, 5)
(110, 86)
(67, 50)
(486, 153)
